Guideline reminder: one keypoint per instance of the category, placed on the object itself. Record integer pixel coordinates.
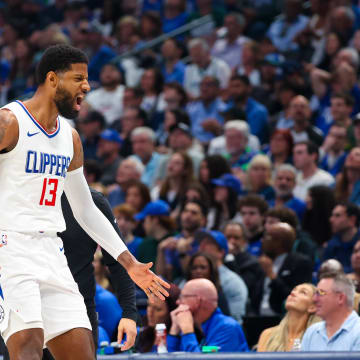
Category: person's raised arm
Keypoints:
(9, 130)
(93, 221)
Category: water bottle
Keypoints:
(160, 338)
(296, 345)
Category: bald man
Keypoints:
(198, 307)
(283, 269)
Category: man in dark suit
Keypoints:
(283, 269)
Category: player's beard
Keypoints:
(65, 103)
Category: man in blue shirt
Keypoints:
(334, 300)
(198, 303)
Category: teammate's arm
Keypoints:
(9, 130)
(93, 221)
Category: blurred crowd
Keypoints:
(230, 151)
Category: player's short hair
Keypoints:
(59, 58)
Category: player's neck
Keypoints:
(44, 112)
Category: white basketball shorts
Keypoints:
(37, 287)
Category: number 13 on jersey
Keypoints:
(48, 193)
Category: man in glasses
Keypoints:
(340, 328)
(198, 304)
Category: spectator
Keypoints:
(283, 269)
(300, 315)
(143, 144)
(129, 169)
(150, 25)
(203, 266)
(241, 262)
(342, 20)
(173, 69)
(256, 114)
(137, 194)
(252, 209)
(157, 312)
(234, 287)
(125, 28)
(90, 128)
(344, 221)
(283, 31)
(259, 177)
(320, 202)
(203, 64)
(284, 185)
(306, 156)
(101, 272)
(174, 15)
(124, 215)
(230, 47)
(205, 113)
(301, 129)
(108, 98)
(332, 152)
(303, 243)
(355, 264)
(238, 153)
(227, 189)
(333, 43)
(198, 303)
(334, 304)
(158, 225)
(331, 266)
(281, 147)
(108, 152)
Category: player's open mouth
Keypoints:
(78, 102)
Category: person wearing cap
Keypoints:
(227, 190)
(198, 304)
(108, 98)
(108, 152)
(235, 290)
(158, 225)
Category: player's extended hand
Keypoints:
(149, 282)
(128, 327)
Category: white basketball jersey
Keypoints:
(32, 175)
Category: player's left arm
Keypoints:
(93, 221)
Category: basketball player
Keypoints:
(40, 156)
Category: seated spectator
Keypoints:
(137, 195)
(203, 64)
(256, 113)
(306, 156)
(347, 186)
(233, 286)
(241, 262)
(340, 328)
(320, 202)
(143, 144)
(157, 312)
(203, 266)
(229, 48)
(175, 15)
(300, 315)
(283, 269)
(198, 303)
(129, 169)
(281, 147)
(173, 69)
(332, 151)
(303, 243)
(108, 152)
(178, 175)
(124, 215)
(345, 219)
(331, 266)
(101, 272)
(108, 99)
(158, 225)
(252, 209)
(259, 178)
(205, 112)
(227, 189)
(284, 29)
(355, 264)
(284, 184)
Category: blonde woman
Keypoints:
(259, 177)
(300, 315)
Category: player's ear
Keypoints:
(52, 79)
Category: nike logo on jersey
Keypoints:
(62, 248)
(32, 134)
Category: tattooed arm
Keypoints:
(9, 130)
